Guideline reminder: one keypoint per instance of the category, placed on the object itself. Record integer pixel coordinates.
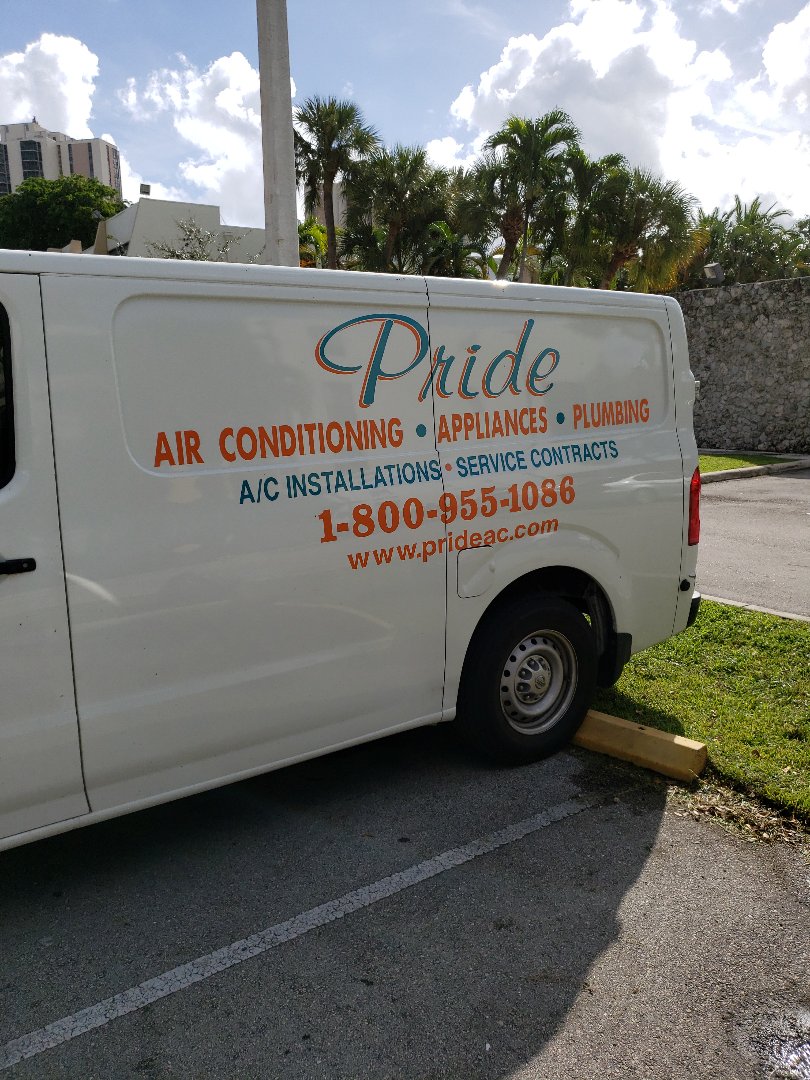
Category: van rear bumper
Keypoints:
(693, 609)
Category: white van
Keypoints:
(249, 515)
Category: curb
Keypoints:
(754, 470)
(755, 607)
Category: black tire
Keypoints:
(528, 680)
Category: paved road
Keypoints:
(755, 541)
(574, 926)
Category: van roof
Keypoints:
(64, 264)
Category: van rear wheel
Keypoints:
(528, 679)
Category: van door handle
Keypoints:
(17, 566)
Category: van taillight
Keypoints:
(694, 508)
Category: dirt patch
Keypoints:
(738, 813)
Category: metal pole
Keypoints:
(281, 223)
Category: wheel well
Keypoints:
(585, 594)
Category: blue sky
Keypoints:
(712, 93)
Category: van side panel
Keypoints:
(211, 496)
(556, 416)
(40, 765)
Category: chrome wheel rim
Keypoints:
(538, 682)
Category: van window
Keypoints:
(6, 413)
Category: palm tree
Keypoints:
(648, 229)
(399, 191)
(546, 238)
(311, 242)
(754, 245)
(709, 235)
(530, 152)
(501, 193)
(801, 231)
(330, 136)
(362, 245)
(459, 244)
(750, 243)
(453, 254)
(590, 182)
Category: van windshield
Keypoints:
(6, 414)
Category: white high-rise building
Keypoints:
(28, 150)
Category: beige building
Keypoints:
(29, 150)
(138, 228)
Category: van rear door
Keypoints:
(40, 765)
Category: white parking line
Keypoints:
(170, 982)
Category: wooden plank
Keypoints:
(672, 755)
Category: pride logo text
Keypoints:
(510, 371)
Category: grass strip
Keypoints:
(718, 462)
(740, 682)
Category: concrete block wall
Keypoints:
(749, 345)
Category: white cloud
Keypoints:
(634, 82)
(449, 153)
(786, 56)
(604, 30)
(444, 152)
(226, 92)
(731, 7)
(131, 183)
(217, 111)
(622, 109)
(482, 18)
(755, 139)
(54, 80)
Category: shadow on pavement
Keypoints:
(469, 974)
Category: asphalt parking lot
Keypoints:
(550, 921)
(755, 541)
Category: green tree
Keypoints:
(453, 254)
(50, 213)
(754, 245)
(400, 192)
(330, 137)
(709, 233)
(802, 231)
(750, 243)
(648, 231)
(363, 246)
(458, 245)
(590, 191)
(543, 261)
(529, 153)
(501, 194)
(311, 242)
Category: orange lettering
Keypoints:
(226, 433)
(163, 452)
(193, 447)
